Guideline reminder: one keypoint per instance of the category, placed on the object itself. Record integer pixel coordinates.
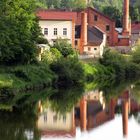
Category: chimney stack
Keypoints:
(83, 31)
(126, 16)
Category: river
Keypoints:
(86, 113)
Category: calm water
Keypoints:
(87, 113)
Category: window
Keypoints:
(45, 31)
(55, 118)
(76, 42)
(107, 28)
(55, 31)
(64, 118)
(64, 31)
(89, 49)
(95, 18)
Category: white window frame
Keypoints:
(55, 31)
(65, 31)
(46, 31)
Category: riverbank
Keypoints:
(63, 72)
(25, 78)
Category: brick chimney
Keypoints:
(83, 38)
(126, 28)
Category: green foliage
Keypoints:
(114, 60)
(41, 40)
(68, 70)
(63, 101)
(136, 55)
(63, 4)
(19, 31)
(134, 13)
(51, 55)
(64, 47)
(20, 77)
(113, 13)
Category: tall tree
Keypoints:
(19, 31)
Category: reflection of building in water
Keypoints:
(52, 124)
(93, 111)
(89, 113)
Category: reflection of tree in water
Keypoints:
(18, 125)
(64, 100)
(137, 117)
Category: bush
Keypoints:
(50, 56)
(69, 71)
(42, 40)
(64, 47)
(136, 55)
(116, 61)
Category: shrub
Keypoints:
(64, 47)
(136, 55)
(51, 56)
(69, 71)
(42, 40)
(116, 61)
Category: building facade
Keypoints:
(88, 31)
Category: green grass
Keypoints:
(27, 75)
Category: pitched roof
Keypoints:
(56, 15)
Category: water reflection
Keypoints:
(65, 114)
(89, 113)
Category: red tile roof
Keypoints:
(56, 15)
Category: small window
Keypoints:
(76, 42)
(45, 31)
(55, 118)
(55, 31)
(64, 31)
(64, 118)
(89, 49)
(95, 18)
(95, 49)
(107, 28)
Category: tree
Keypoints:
(113, 13)
(19, 31)
(134, 13)
(64, 47)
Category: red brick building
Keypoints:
(92, 30)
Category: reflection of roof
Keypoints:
(58, 134)
(56, 15)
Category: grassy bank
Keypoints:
(25, 77)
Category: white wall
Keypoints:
(59, 25)
(50, 124)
